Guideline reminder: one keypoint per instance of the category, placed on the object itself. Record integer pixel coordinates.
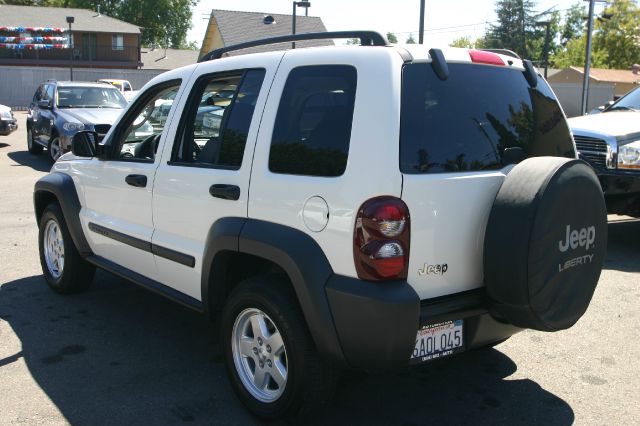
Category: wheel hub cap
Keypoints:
(259, 355)
(53, 249)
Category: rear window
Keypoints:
(481, 118)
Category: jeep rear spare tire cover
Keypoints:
(545, 243)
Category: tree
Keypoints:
(618, 34)
(392, 38)
(410, 39)
(464, 42)
(163, 22)
(573, 24)
(515, 29)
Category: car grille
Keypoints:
(102, 129)
(592, 150)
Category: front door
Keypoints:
(117, 217)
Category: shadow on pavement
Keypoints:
(120, 353)
(41, 163)
(4, 145)
(623, 248)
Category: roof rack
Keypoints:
(367, 38)
(505, 52)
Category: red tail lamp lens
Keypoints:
(482, 57)
(381, 239)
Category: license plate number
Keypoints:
(438, 340)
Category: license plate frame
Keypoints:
(438, 340)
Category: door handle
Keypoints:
(226, 192)
(139, 181)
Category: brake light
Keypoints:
(482, 57)
(381, 239)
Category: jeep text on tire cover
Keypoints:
(327, 203)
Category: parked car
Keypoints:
(8, 122)
(361, 207)
(123, 86)
(61, 108)
(610, 143)
(629, 102)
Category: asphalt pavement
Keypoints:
(118, 354)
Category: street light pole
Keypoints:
(297, 4)
(587, 62)
(421, 33)
(70, 20)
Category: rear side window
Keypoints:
(313, 126)
(480, 118)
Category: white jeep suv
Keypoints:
(363, 207)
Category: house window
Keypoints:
(117, 42)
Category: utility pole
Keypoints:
(297, 4)
(587, 61)
(70, 20)
(545, 52)
(421, 33)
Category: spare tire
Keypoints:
(545, 243)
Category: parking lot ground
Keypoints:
(118, 354)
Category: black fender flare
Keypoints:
(295, 252)
(61, 186)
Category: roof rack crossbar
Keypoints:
(367, 38)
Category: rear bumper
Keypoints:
(377, 323)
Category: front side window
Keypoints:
(139, 133)
(480, 118)
(117, 42)
(89, 97)
(313, 127)
(217, 124)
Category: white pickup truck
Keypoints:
(123, 86)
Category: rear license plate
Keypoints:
(435, 341)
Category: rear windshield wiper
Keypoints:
(621, 108)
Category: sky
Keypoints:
(444, 20)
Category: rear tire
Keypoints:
(64, 269)
(302, 381)
(32, 146)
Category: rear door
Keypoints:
(459, 139)
(204, 175)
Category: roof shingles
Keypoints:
(85, 20)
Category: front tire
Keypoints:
(270, 357)
(32, 146)
(54, 148)
(64, 269)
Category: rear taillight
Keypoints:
(381, 239)
(482, 57)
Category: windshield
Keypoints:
(480, 118)
(631, 101)
(90, 97)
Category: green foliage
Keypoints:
(392, 38)
(410, 39)
(618, 36)
(163, 22)
(615, 40)
(574, 24)
(464, 42)
(515, 29)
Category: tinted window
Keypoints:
(217, 125)
(630, 101)
(480, 118)
(313, 126)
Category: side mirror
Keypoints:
(85, 144)
(44, 104)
